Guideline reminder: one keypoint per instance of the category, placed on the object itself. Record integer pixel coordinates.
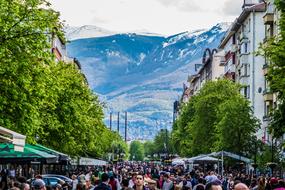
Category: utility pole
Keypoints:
(118, 125)
(111, 121)
(126, 125)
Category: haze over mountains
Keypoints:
(141, 73)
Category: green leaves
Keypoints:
(136, 151)
(48, 102)
(217, 118)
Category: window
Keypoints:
(245, 70)
(246, 92)
(234, 38)
(245, 47)
(234, 59)
(249, 22)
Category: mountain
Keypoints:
(142, 74)
(87, 31)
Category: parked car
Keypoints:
(62, 177)
(53, 180)
(49, 181)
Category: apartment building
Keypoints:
(241, 62)
(270, 18)
(211, 69)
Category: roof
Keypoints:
(7, 135)
(9, 155)
(261, 7)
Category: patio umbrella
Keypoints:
(9, 155)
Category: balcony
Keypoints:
(265, 69)
(268, 18)
(266, 118)
(222, 61)
(243, 36)
(267, 95)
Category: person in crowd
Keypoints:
(160, 181)
(113, 183)
(241, 186)
(104, 185)
(125, 184)
(4, 179)
(200, 185)
(261, 183)
(132, 181)
(88, 185)
(80, 186)
(39, 184)
(151, 184)
(74, 181)
(281, 185)
(139, 185)
(24, 184)
(167, 184)
(214, 185)
(211, 177)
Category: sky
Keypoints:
(158, 16)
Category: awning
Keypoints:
(60, 156)
(9, 155)
(202, 158)
(9, 136)
(178, 161)
(88, 162)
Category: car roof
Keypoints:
(56, 175)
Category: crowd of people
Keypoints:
(143, 176)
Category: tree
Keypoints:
(24, 31)
(136, 151)
(48, 102)
(149, 149)
(180, 134)
(211, 119)
(235, 126)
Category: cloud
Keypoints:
(183, 5)
(232, 7)
(99, 20)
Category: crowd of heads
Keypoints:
(143, 176)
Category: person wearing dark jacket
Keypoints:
(104, 185)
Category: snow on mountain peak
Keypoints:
(224, 26)
(86, 31)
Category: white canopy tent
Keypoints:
(178, 161)
(202, 158)
(222, 154)
(7, 135)
(82, 161)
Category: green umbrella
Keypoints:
(9, 155)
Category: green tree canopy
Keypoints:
(48, 102)
(136, 151)
(211, 119)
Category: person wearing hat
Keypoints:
(39, 184)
